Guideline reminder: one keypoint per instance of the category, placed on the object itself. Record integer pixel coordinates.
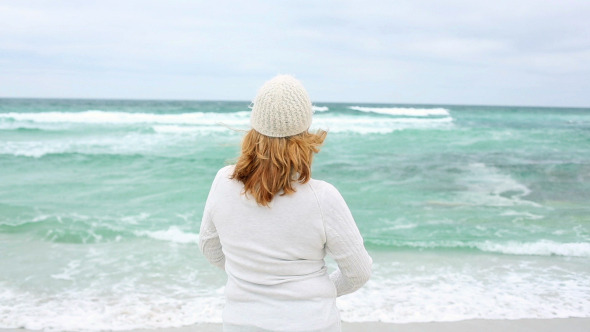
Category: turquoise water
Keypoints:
(469, 211)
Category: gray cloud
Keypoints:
(462, 52)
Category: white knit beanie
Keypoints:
(281, 108)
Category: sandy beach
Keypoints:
(519, 325)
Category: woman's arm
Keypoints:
(208, 238)
(345, 244)
(209, 242)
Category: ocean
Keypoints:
(468, 211)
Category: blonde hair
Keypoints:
(268, 165)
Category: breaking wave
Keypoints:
(403, 111)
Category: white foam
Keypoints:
(183, 127)
(101, 117)
(209, 122)
(420, 287)
(488, 186)
(534, 248)
(320, 108)
(134, 219)
(402, 226)
(127, 144)
(33, 149)
(89, 310)
(373, 125)
(402, 111)
(69, 271)
(181, 130)
(522, 215)
(430, 293)
(172, 234)
(542, 247)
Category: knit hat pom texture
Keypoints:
(281, 108)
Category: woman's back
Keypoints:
(271, 245)
(274, 257)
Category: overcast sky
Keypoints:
(428, 52)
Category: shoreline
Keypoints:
(516, 325)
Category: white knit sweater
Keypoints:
(274, 256)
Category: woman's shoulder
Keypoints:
(223, 176)
(329, 198)
(323, 189)
(226, 171)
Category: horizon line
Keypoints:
(314, 104)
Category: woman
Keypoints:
(268, 224)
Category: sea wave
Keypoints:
(128, 144)
(542, 247)
(102, 117)
(12, 121)
(102, 132)
(172, 234)
(76, 228)
(411, 289)
(320, 108)
(18, 128)
(84, 310)
(183, 130)
(536, 248)
(373, 125)
(403, 111)
(485, 185)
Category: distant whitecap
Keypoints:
(402, 111)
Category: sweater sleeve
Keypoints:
(209, 242)
(345, 244)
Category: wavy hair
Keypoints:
(268, 165)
